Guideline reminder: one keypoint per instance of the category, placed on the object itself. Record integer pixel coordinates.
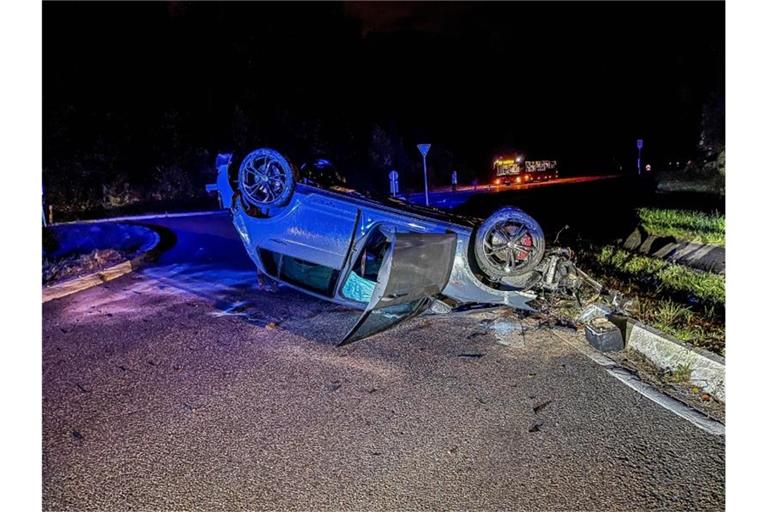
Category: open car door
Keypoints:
(415, 269)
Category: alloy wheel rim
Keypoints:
(509, 246)
(263, 179)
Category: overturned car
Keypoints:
(391, 259)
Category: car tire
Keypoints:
(266, 179)
(509, 243)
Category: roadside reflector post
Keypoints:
(639, 151)
(424, 149)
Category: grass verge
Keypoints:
(684, 225)
(703, 329)
(685, 303)
(677, 279)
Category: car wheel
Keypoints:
(508, 243)
(266, 178)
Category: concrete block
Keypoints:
(707, 369)
(604, 335)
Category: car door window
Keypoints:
(309, 275)
(415, 268)
(302, 273)
(364, 273)
(378, 320)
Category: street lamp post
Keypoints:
(424, 149)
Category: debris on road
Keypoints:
(473, 355)
(540, 407)
(508, 332)
(593, 311)
(190, 407)
(604, 335)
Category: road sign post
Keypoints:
(639, 150)
(424, 149)
(394, 183)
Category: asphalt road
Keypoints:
(187, 385)
(445, 197)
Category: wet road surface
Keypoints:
(187, 385)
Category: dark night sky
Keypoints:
(576, 81)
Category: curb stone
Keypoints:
(707, 369)
(60, 290)
(149, 216)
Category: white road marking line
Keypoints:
(686, 412)
(232, 310)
